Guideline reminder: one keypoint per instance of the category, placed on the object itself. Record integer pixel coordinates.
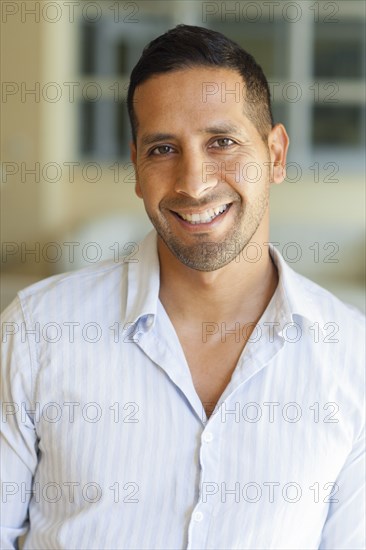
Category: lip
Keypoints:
(192, 211)
(201, 227)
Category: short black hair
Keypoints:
(188, 46)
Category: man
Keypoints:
(198, 395)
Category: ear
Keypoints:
(133, 157)
(278, 142)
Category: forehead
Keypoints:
(190, 96)
(203, 84)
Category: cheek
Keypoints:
(253, 173)
(155, 182)
(247, 178)
(243, 169)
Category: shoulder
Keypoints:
(80, 279)
(60, 296)
(311, 301)
(101, 291)
(327, 304)
(339, 326)
(332, 331)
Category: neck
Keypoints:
(240, 290)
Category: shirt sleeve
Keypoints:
(344, 528)
(18, 434)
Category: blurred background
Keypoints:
(67, 182)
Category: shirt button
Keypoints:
(207, 437)
(198, 516)
(149, 321)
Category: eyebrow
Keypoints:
(221, 128)
(154, 138)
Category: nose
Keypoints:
(195, 175)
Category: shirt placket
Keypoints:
(200, 522)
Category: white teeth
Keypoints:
(204, 217)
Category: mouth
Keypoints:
(203, 217)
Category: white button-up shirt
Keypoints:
(106, 444)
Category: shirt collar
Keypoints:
(294, 294)
(143, 281)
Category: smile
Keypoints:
(203, 217)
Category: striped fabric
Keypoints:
(106, 444)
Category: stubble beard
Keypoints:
(207, 254)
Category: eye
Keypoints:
(223, 143)
(161, 150)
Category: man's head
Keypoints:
(204, 162)
(188, 46)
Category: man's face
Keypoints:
(202, 168)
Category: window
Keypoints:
(315, 68)
(108, 52)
